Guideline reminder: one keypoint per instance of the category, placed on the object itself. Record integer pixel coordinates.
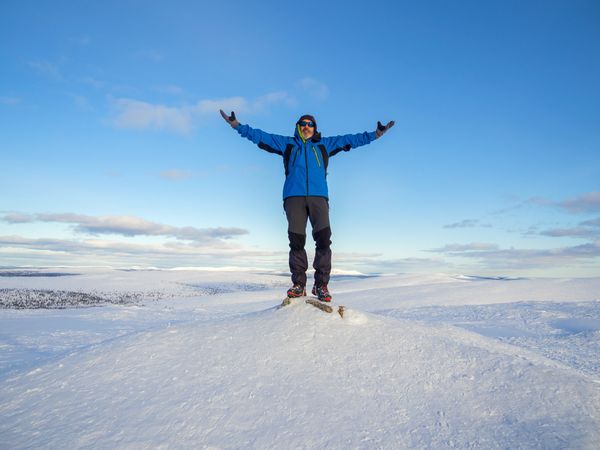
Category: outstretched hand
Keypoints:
(231, 120)
(381, 129)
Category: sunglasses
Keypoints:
(306, 124)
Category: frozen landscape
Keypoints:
(103, 358)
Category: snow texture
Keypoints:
(433, 361)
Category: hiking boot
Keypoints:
(322, 293)
(297, 290)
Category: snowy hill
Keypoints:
(233, 371)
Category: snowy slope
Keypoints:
(232, 371)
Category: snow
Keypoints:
(418, 361)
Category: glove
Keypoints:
(381, 129)
(231, 120)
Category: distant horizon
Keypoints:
(336, 273)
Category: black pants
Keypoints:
(298, 210)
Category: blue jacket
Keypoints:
(305, 161)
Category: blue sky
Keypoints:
(113, 152)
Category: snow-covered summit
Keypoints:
(425, 361)
(296, 377)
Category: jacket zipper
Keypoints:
(316, 156)
(306, 162)
(305, 156)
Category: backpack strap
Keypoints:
(324, 155)
(286, 158)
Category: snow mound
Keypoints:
(296, 377)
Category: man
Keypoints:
(305, 195)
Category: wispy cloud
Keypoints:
(152, 55)
(128, 226)
(589, 229)
(15, 217)
(136, 114)
(272, 98)
(47, 69)
(209, 106)
(591, 223)
(468, 223)
(411, 264)
(93, 82)
(460, 248)
(492, 256)
(82, 103)
(81, 40)
(176, 174)
(244, 105)
(170, 89)
(10, 100)
(95, 251)
(571, 232)
(315, 88)
(586, 203)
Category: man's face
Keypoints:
(307, 128)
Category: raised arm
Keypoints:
(336, 144)
(272, 143)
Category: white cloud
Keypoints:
(10, 101)
(129, 226)
(82, 103)
(491, 256)
(47, 69)
(170, 89)
(314, 88)
(586, 203)
(473, 246)
(15, 217)
(176, 174)
(591, 223)
(155, 56)
(82, 40)
(109, 249)
(93, 82)
(263, 102)
(589, 229)
(468, 223)
(239, 104)
(48, 251)
(243, 105)
(571, 232)
(127, 240)
(136, 114)
(411, 264)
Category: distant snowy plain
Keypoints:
(206, 359)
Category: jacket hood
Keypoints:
(315, 137)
